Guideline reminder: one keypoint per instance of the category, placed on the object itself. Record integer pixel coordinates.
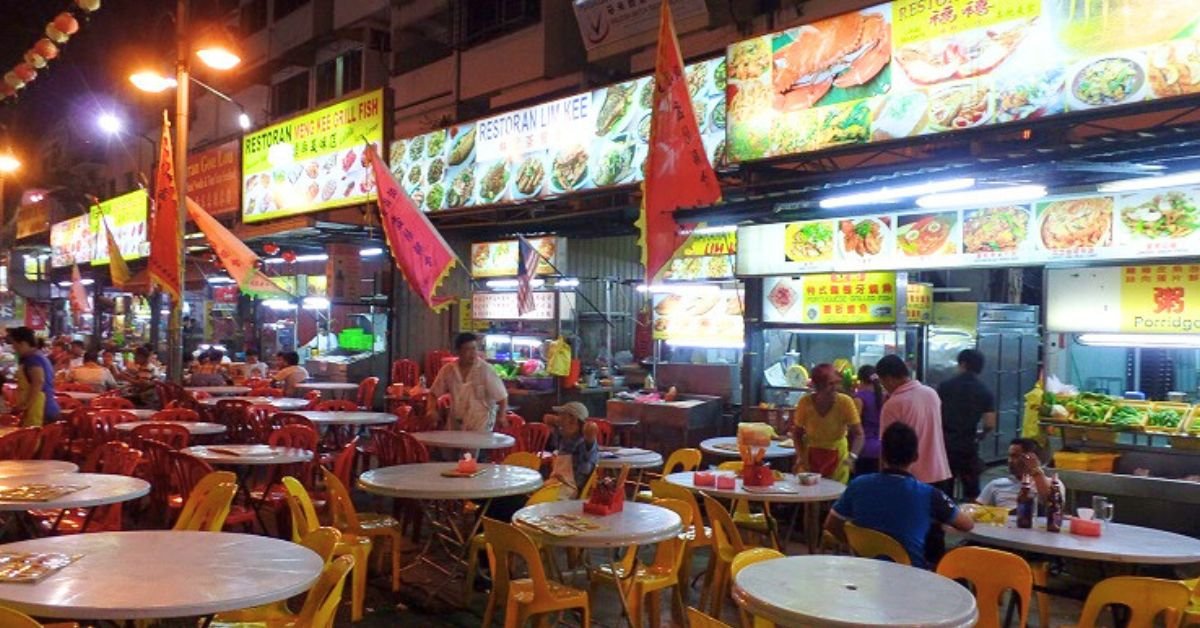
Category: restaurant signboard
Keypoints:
(1148, 299)
(502, 306)
(703, 257)
(909, 68)
(72, 242)
(311, 162)
(126, 219)
(499, 259)
(1068, 229)
(699, 315)
(586, 141)
(843, 299)
(214, 179)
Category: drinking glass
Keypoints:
(1102, 509)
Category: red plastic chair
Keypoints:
(515, 421)
(281, 419)
(111, 403)
(433, 363)
(337, 405)
(174, 436)
(366, 393)
(266, 392)
(534, 437)
(314, 399)
(10, 420)
(186, 471)
(73, 387)
(54, 439)
(393, 448)
(68, 404)
(405, 371)
(297, 437)
(605, 429)
(21, 444)
(176, 414)
(157, 471)
(115, 458)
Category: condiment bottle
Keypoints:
(1025, 504)
(1054, 507)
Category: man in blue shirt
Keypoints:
(574, 437)
(895, 503)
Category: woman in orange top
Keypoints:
(828, 431)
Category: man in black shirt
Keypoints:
(966, 402)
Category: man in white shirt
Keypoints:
(476, 392)
(323, 342)
(290, 373)
(254, 368)
(77, 351)
(1022, 461)
(92, 373)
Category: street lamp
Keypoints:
(109, 123)
(8, 165)
(218, 54)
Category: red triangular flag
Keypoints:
(164, 262)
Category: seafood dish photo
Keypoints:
(434, 197)
(749, 59)
(614, 165)
(863, 238)
(808, 241)
(960, 107)
(434, 143)
(614, 113)
(462, 147)
(461, 188)
(901, 115)
(1174, 67)
(1081, 223)
(531, 174)
(437, 168)
(1168, 215)
(921, 236)
(1108, 81)
(843, 124)
(961, 55)
(844, 51)
(697, 78)
(1030, 96)
(643, 128)
(416, 147)
(995, 229)
(494, 182)
(569, 169)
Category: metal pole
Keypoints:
(175, 325)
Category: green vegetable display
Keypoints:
(1165, 419)
(1126, 417)
(1090, 407)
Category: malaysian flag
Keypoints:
(527, 263)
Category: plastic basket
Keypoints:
(1184, 409)
(1086, 461)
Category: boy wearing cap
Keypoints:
(574, 437)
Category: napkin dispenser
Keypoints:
(1085, 527)
(704, 478)
(757, 475)
(467, 465)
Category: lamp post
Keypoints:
(219, 55)
(8, 165)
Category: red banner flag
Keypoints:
(78, 296)
(678, 173)
(163, 264)
(239, 261)
(421, 254)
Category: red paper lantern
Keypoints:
(88, 5)
(34, 59)
(7, 90)
(66, 23)
(12, 80)
(46, 48)
(289, 256)
(270, 249)
(25, 72)
(56, 35)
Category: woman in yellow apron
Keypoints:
(828, 431)
(35, 380)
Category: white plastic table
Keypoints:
(636, 524)
(85, 397)
(1118, 543)
(355, 417)
(844, 591)
(338, 389)
(785, 491)
(287, 404)
(244, 458)
(142, 414)
(160, 574)
(439, 497)
(13, 468)
(195, 428)
(102, 488)
(643, 459)
(220, 391)
(726, 447)
(456, 439)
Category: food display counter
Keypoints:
(665, 426)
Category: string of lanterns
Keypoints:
(57, 32)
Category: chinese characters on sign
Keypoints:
(214, 179)
(502, 306)
(1151, 299)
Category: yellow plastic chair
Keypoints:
(757, 522)
(727, 543)
(697, 535)
(991, 573)
(697, 619)
(1191, 616)
(322, 541)
(1146, 599)
(547, 493)
(685, 459)
(869, 543)
(10, 618)
(371, 525)
(743, 560)
(304, 520)
(320, 605)
(526, 597)
(526, 459)
(649, 579)
(189, 516)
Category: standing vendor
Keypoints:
(828, 425)
(35, 380)
(477, 396)
(322, 343)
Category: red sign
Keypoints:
(214, 178)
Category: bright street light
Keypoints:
(109, 123)
(244, 121)
(9, 163)
(151, 81)
(218, 57)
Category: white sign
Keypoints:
(604, 23)
(502, 306)
(1083, 299)
(556, 123)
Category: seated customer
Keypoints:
(1022, 460)
(290, 373)
(574, 439)
(92, 373)
(895, 503)
(208, 370)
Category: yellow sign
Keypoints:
(702, 257)
(311, 162)
(919, 20)
(849, 298)
(500, 259)
(466, 321)
(1160, 299)
(920, 303)
(126, 218)
(810, 241)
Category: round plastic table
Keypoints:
(455, 439)
(196, 428)
(846, 591)
(1118, 543)
(220, 391)
(286, 404)
(160, 574)
(335, 389)
(726, 447)
(642, 459)
(142, 414)
(635, 524)
(14, 468)
(101, 489)
(425, 481)
(347, 418)
(249, 455)
(85, 397)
